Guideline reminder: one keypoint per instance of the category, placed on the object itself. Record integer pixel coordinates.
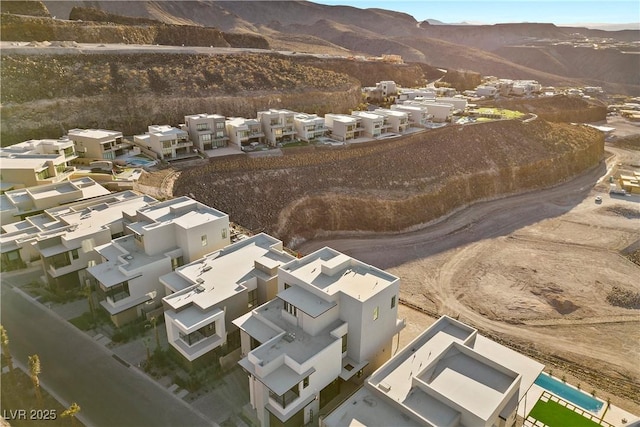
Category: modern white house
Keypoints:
(64, 236)
(343, 127)
(439, 112)
(100, 143)
(16, 205)
(206, 131)
(244, 132)
(309, 126)
(159, 239)
(167, 142)
(398, 121)
(36, 162)
(203, 297)
(333, 320)
(448, 376)
(278, 126)
(488, 91)
(373, 124)
(410, 94)
(418, 114)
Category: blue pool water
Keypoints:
(569, 394)
(139, 162)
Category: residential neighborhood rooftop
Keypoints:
(447, 369)
(223, 273)
(331, 271)
(95, 133)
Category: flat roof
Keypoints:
(204, 116)
(451, 360)
(192, 318)
(256, 328)
(95, 133)
(368, 115)
(172, 210)
(222, 274)
(331, 272)
(364, 408)
(304, 300)
(295, 343)
(466, 379)
(344, 118)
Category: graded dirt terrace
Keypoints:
(532, 271)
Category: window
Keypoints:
(287, 286)
(219, 135)
(196, 336)
(224, 233)
(220, 125)
(253, 298)
(345, 342)
(74, 254)
(43, 174)
(177, 262)
(305, 382)
(203, 240)
(59, 260)
(376, 312)
(166, 144)
(138, 237)
(205, 138)
(291, 309)
(393, 301)
(202, 126)
(118, 292)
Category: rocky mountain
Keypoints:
(536, 51)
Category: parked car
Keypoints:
(598, 199)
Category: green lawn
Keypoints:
(556, 415)
(507, 114)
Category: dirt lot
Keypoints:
(533, 272)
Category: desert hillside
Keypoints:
(131, 91)
(503, 49)
(393, 185)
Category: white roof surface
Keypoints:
(455, 362)
(331, 272)
(95, 133)
(224, 273)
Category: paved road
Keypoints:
(80, 370)
(479, 221)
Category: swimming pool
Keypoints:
(568, 393)
(137, 161)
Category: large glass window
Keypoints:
(205, 137)
(291, 309)
(253, 298)
(196, 336)
(202, 126)
(118, 292)
(345, 342)
(292, 394)
(376, 312)
(393, 301)
(59, 260)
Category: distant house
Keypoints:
(244, 132)
(373, 124)
(63, 237)
(333, 320)
(159, 239)
(206, 131)
(448, 376)
(16, 205)
(203, 297)
(36, 162)
(168, 143)
(278, 126)
(398, 121)
(418, 114)
(309, 126)
(343, 127)
(488, 91)
(100, 143)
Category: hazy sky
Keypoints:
(491, 12)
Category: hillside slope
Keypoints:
(393, 185)
(301, 24)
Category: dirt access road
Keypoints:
(532, 271)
